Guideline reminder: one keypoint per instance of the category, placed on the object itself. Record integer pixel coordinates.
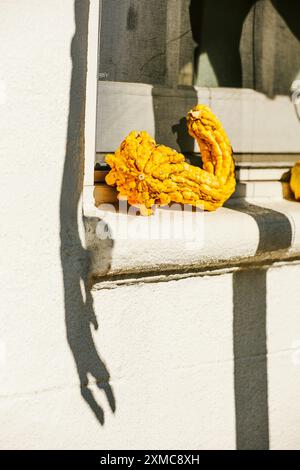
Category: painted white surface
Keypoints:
(215, 239)
(159, 110)
(168, 346)
(91, 92)
(284, 357)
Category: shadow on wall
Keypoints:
(75, 259)
(170, 120)
(250, 332)
(171, 125)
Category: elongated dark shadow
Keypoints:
(75, 259)
(250, 332)
(250, 360)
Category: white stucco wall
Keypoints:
(167, 346)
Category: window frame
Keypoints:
(91, 91)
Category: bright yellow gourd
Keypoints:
(295, 180)
(149, 174)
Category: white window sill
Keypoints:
(246, 231)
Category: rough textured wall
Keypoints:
(36, 72)
(168, 347)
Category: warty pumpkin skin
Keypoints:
(149, 174)
(295, 180)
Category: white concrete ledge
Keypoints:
(246, 231)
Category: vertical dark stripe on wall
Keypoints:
(250, 330)
(250, 359)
